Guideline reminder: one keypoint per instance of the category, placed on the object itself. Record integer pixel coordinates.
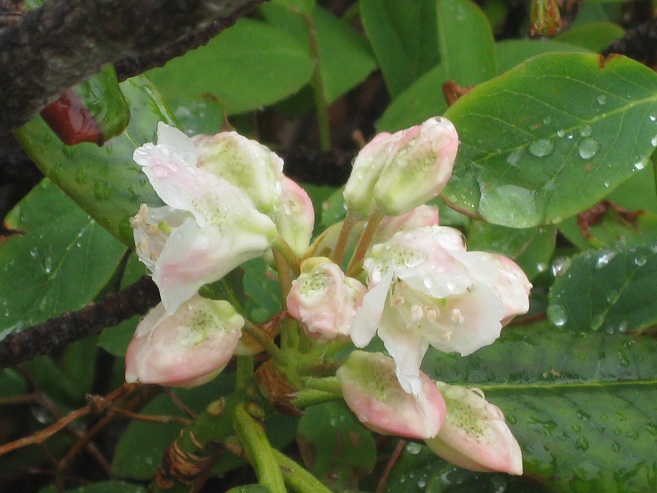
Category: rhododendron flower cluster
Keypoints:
(389, 269)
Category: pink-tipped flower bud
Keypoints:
(324, 299)
(475, 435)
(371, 390)
(185, 349)
(397, 172)
(295, 218)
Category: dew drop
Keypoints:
(604, 259)
(586, 130)
(557, 314)
(640, 260)
(653, 141)
(588, 148)
(413, 448)
(652, 118)
(560, 266)
(602, 99)
(639, 165)
(514, 157)
(561, 133)
(541, 148)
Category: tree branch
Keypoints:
(61, 44)
(56, 333)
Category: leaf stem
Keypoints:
(258, 450)
(297, 477)
(264, 340)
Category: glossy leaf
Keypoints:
(104, 181)
(419, 102)
(580, 405)
(466, 59)
(345, 57)
(403, 36)
(594, 36)
(531, 248)
(513, 52)
(609, 290)
(247, 66)
(335, 446)
(529, 156)
(58, 261)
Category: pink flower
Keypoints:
(372, 392)
(425, 290)
(184, 349)
(475, 435)
(324, 299)
(209, 228)
(295, 218)
(397, 172)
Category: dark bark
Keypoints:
(66, 41)
(55, 334)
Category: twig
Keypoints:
(97, 404)
(61, 44)
(56, 333)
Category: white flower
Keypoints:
(425, 290)
(209, 228)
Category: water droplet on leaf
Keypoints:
(588, 148)
(541, 148)
(602, 99)
(586, 130)
(557, 314)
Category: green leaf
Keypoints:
(58, 261)
(513, 52)
(419, 470)
(403, 36)
(531, 248)
(142, 445)
(595, 36)
(609, 290)
(580, 405)
(422, 100)
(250, 65)
(345, 57)
(529, 156)
(101, 487)
(336, 447)
(466, 59)
(104, 181)
(263, 295)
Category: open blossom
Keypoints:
(324, 299)
(425, 290)
(209, 227)
(475, 435)
(372, 392)
(397, 172)
(186, 348)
